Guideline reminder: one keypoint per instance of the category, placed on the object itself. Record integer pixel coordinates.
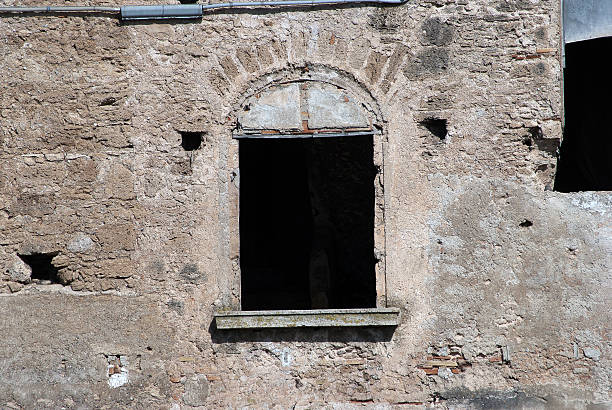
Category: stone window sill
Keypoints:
(307, 318)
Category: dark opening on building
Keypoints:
(307, 223)
(436, 126)
(191, 141)
(585, 158)
(43, 270)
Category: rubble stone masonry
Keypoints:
(503, 284)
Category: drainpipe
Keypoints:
(59, 9)
(174, 11)
(182, 11)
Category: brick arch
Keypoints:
(364, 63)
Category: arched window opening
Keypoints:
(307, 199)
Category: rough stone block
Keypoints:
(196, 391)
(18, 270)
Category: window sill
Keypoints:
(307, 318)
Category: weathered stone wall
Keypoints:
(503, 284)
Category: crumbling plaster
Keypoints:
(92, 168)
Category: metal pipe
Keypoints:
(245, 4)
(182, 11)
(171, 11)
(60, 9)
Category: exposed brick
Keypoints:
(374, 67)
(279, 49)
(229, 68)
(299, 43)
(354, 361)
(89, 114)
(264, 56)
(395, 62)
(248, 59)
(218, 81)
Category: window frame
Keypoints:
(381, 315)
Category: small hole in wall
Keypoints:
(535, 139)
(191, 141)
(526, 223)
(108, 101)
(188, 1)
(536, 133)
(43, 270)
(437, 126)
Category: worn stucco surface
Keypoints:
(504, 285)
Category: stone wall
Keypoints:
(503, 283)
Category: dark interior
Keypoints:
(585, 158)
(42, 267)
(190, 141)
(307, 223)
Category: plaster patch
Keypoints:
(118, 373)
(595, 202)
(284, 355)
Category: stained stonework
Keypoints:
(495, 312)
(278, 109)
(285, 107)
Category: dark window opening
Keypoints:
(43, 270)
(307, 223)
(585, 155)
(437, 126)
(191, 141)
